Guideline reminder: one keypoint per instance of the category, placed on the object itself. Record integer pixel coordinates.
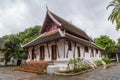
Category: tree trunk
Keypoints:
(6, 61)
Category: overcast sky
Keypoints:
(89, 15)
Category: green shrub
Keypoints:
(22, 64)
(85, 67)
(98, 62)
(75, 61)
(106, 60)
(79, 65)
(82, 67)
(77, 70)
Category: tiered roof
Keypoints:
(66, 30)
(66, 25)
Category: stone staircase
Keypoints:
(38, 67)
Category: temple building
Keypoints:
(61, 40)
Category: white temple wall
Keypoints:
(61, 49)
(87, 54)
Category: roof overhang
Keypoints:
(45, 37)
(57, 34)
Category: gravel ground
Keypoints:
(8, 73)
(112, 73)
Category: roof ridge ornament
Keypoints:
(50, 15)
(47, 7)
(55, 20)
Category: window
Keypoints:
(33, 54)
(92, 52)
(69, 45)
(96, 50)
(78, 48)
(86, 49)
(42, 52)
(101, 54)
(54, 52)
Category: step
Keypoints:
(34, 67)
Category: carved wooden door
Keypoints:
(42, 53)
(54, 52)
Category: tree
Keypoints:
(118, 41)
(12, 44)
(105, 42)
(29, 34)
(115, 14)
(12, 48)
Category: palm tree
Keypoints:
(115, 14)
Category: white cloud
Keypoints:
(12, 17)
(91, 16)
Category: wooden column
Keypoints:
(27, 52)
(57, 49)
(74, 50)
(30, 53)
(48, 50)
(95, 53)
(90, 52)
(64, 48)
(33, 53)
(117, 57)
(67, 51)
(84, 52)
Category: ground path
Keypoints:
(111, 73)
